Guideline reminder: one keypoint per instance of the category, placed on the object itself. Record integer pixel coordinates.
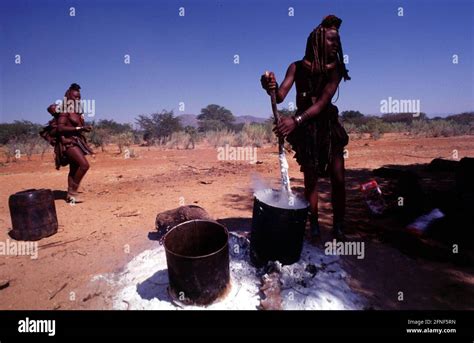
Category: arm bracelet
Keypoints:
(300, 118)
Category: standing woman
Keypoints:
(71, 146)
(315, 132)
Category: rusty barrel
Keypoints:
(197, 255)
(33, 214)
(278, 227)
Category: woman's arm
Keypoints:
(269, 83)
(288, 124)
(287, 83)
(326, 96)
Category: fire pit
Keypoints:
(197, 256)
(278, 225)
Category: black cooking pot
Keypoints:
(277, 231)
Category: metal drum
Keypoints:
(197, 255)
(33, 214)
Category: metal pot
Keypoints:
(277, 232)
(33, 214)
(197, 255)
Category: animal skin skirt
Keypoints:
(317, 140)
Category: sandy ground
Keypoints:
(122, 197)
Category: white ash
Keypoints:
(317, 281)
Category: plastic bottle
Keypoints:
(373, 197)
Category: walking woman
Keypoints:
(314, 132)
(70, 144)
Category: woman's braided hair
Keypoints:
(316, 47)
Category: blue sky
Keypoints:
(190, 59)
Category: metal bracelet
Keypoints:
(298, 119)
(304, 116)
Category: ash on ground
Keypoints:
(316, 282)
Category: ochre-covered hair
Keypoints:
(72, 87)
(316, 47)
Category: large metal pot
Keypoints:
(197, 255)
(33, 214)
(277, 228)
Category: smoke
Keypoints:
(264, 192)
(259, 183)
(281, 199)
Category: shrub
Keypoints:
(123, 140)
(220, 138)
(100, 137)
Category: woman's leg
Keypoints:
(77, 158)
(70, 178)
(338, 193)
(311, 194)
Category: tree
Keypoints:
(112, 126)
(215, 117)
(402, 117)
(105, 131)
(18, 130)
(466, 118)
(158, 125)
(350, 115)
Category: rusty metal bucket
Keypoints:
(33, 214)
(197, 255)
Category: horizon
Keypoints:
(270, 116)
(191, 59)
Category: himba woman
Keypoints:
(314, 132)
(70, 144)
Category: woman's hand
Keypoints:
(85, 128)
(285, 126)
(268, 81)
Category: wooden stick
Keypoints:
(59, 290)
(58, 243)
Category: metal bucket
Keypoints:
(277, 228)
(33, 214)
(197, 255)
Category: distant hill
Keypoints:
(191, 119)
(249, 119)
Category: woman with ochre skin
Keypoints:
(73, 146)
(315, 132)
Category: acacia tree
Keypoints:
(214, 118)
(158, 126)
